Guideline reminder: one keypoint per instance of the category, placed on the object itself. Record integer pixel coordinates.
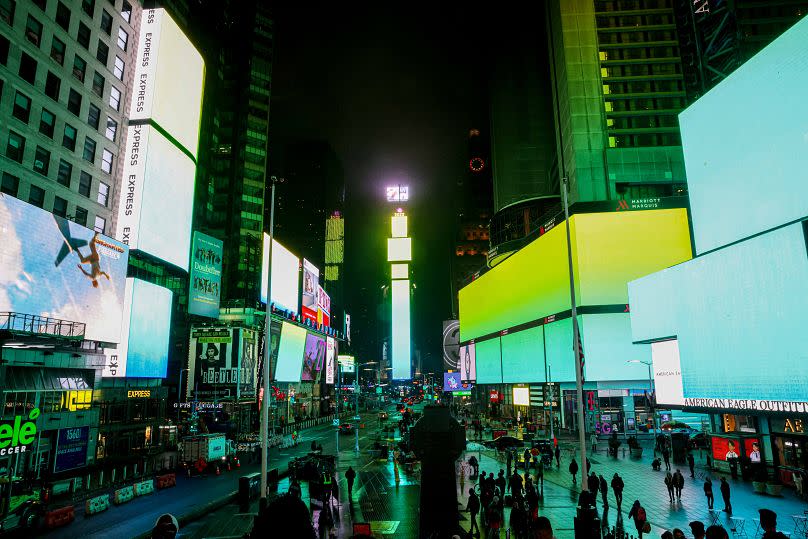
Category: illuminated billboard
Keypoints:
(397, 193)
(157, 196)
(609, 250)
(467, 363)
(399, 271)
(222, 362)
(205, 280)
(311, 282)
(54, 268)
(285, 269)
(451, 345)
(346, 363)
(165, 56)
(323, 307)
(452, 382)
(752, 165)
(399, 249)
(399, 225)
(313, 357)
(144, 353)
(330, 359)
(290, 353)
(521, 396)
(402, 366)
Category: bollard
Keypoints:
(113, 475)
(124, 473)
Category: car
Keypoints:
(346, 428)
(504, 442)
(383, 416)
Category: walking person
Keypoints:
(574, 471)
(678, 483)
(640, 517)
(526, 456)
(604, 491)
(558, 457)
(493, 517)
(594, 441)
(593, 484)
(473, 507)
(475, 465)
(691, 463)
(501, 483)
(708, 492)
(515, 484)
(350, 476)
(540, 476)
(725, 495)
(666, 456)
(617, 487)
(669, 485)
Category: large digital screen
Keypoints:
(667, 372)
(149, 322)
(452, 382)
(285, 270)
(739, 317)
(523, 356)
(397, 193)
(402, 365)
(290, 353)
(311, 281)
(165, 56)
(205, 280)
(157, 197)
(323, 307)
(347, 363)
(467, 362)
(746, 137)
(313, 358)
(521, 396)
(54, 268)
(609, 250)
(489, 361)
(330, 359)
(399, 249)
(222, 362)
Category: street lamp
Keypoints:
(650, 390)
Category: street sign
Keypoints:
(335, 422)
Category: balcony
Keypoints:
(19, 324)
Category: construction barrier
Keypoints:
(144, 487)
(97, 504)
(60, 517)
(167, 480)
(123, 495)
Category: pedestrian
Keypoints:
(544, 530)
(678, 534)
(574, 471)
(518, 519)
(691, 463)
(166, 527)
(716, 532)
(594, 441)
(708, 491)
(473, 507)
(604, 491)
(593, 484)
(501, 483)
(697, 527)
(725, 495)
(532, 499)
(669, 485)
(640, 517)
(493, 517)
(475, 465)
(526, 456)
(666, 456)
(294, 489)
(515, 483)
(540, 474)
(558, 456)
(678, 483)
(350, 476)
(617, 487)
(768, 523)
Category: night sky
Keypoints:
(395, 94)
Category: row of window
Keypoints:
(15, 149)
(22, 111)
(10, 185)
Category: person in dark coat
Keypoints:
(350, 476)
(501, 483)
(691, 463)
(473, 507)
(604, 491)
(669, 484)
(725, 494)
(708, 492)
(768, 523)
(617, 487)
(637, 512)
(666, 456)
(558, 457)
(593, 484)
(515, 483)
(678, 484)
(574, 471)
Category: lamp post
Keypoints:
(650, 391)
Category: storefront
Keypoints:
(790, 447)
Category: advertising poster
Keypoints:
(248, 365)
(323, 307)
(206, 276)
(54, 268)
(285, 276)
(451, 345)
(213, 362)
(71, 449)
(725, 449)
(330, 359)
(452, 382)
(146, 347)
(313, 357)
(347, 327)
(347, 363)
(274, 343)
(311, 283)
(468, 363)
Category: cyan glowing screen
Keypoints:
(149, 323)
(489, 362)
(523, 356)
(746, 148)
(402, 365)
(290, 353)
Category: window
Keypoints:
(57, 50)
(126, 11)
(106, 161)
(15, 146)
(114, 98)
(47, 121)
(7, 11)
(4, 46)
(52, 86)
(85, 183)
(65, 174)
(36, 196)
(112, 129)
(106, 22)
(93, 116)
(79, 67)
(103, 194)
(100, 224)
(69, 138)
(59, 206)
(119, 67)
(42, 161)
(22, 107)
(83, 36)
(41, 4)
(33, 31)
(81, 216)
(123, 38)
(63, 16)
(89, 149)
(74, 102)
(27, 68)
(10, 185)
(88, 6)
(98, 84)
(102, 53)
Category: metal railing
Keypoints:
(32, 324)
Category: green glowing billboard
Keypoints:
(402, 369)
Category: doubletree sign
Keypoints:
(16, 436)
